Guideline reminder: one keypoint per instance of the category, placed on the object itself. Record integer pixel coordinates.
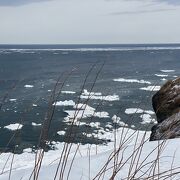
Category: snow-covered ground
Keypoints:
(90, 159)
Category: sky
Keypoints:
(89, 21)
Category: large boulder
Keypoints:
(166, 104)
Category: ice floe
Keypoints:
(12, 100)
(151, 88)
(146, 118)
(28, 86)
(161, 75)
(116, 119)
(14, 127)
(102, 114)
(86, 93)
(61, 133)
(64, 103)
(138, 111)
(68, 92)
(132, 81)
(98, 96)
(35, 124)
(167, 71)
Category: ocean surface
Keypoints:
(116, 82)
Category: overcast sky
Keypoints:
(89, 21)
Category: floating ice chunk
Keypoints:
(61, 132)
(147, 119)
(133, 126)
(105, 98)
(14, 126)
(27, 150)
(138, 111)
(35, 124)
(28, 86)
(12, 100)
(101, 114)
(121, 123)
(64, 103)
(132, 81)
(84, 111)
(83, 107)
(98, 96)
(151, 88)
(116, 119)
(86, 93)
(166, 71)
(134, 111)
(109, 126)
(95, 124)
(163, 79)
(80, 114)
(161, 75)
(68, 92)
(149, 112)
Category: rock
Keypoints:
(166, 104)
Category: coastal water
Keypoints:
(121, 79)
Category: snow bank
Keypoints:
(99, 155)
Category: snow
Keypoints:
(14, 127)
(132, 81)
(151, 88)
(99, 155)
(28, 86)
(176, 87)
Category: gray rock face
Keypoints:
(166, 104)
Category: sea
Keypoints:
(99, 87)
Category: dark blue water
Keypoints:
(41, 65)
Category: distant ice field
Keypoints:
(116, 82)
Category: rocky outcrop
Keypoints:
(166, 104)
